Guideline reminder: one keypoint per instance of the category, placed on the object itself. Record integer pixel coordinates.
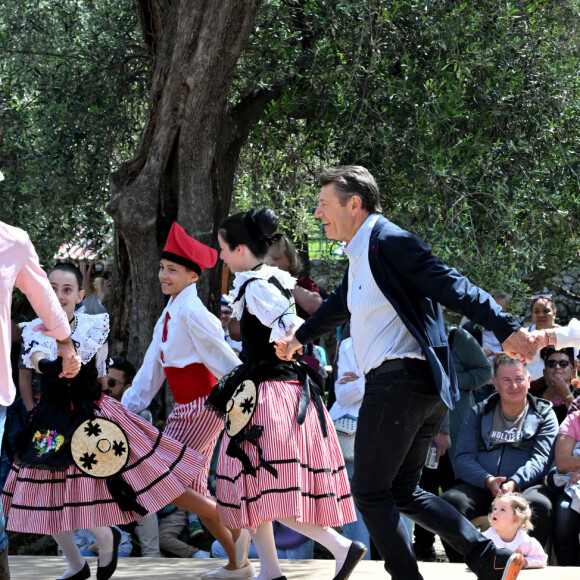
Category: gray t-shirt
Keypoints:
(507, 429)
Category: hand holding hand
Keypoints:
(508, 486)
(286, 348)
(541, 338)
(521, 345)
(71, 363)
(494, 484)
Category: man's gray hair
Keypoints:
(354, 180)
(507, 361)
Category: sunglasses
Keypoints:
(112, 383)
(552, 364)
(546, 296)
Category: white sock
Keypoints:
(263, 539)
(104, 538)
(71, 552)
(336, 544)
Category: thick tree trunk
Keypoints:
(184, 168)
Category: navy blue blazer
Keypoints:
(415, 282)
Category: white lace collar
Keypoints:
(264, 273)
(90, 333)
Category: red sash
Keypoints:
(190, 382)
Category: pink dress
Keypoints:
(308, 481)
(45, 492)
(524, 544)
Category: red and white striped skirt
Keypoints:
(197, 428)
(312, 484)
(159, 470)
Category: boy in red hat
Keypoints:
(188, 349)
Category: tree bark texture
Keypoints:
(184, 167)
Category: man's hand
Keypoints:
(494, 484)
(508, 486)
(71, 363)
(541, 338)
(521, 345)
(559, 385)
(347, 378)
(442, 443)
(286, 348)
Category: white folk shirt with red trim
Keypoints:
(194, 335)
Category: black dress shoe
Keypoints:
(506, 565)
(280, 578)
(355, 554)
(82, 574)
(105, 572)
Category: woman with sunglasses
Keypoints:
(556, 385)
(543, 311)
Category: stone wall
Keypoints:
(565, 287)
(327, 274)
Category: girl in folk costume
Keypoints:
(280, 458)
(188, 348)
(83, 460)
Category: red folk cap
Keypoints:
(187, 251)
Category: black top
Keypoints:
(44, 442)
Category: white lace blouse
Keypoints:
(265, 301)
(89, 337)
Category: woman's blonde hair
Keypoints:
(521, 507)
(283, 245)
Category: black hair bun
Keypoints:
(267, 222)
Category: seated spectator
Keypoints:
(556, 384)
(225, 319)
(488, 342)
(544, 312)
(349, 389)
(506, 444)
(174, 534)
(120, 376)
(92, 302)
(284, 255)
(88, 545)
(510, 520)
(566, 528)
(290, 545)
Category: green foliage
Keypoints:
(72, 77)
(465, 112)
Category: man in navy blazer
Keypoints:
(391, 294)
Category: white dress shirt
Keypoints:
(349, 395)
(194, 335)
(568, 336)
(378, 334)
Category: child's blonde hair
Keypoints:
(521, 507)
